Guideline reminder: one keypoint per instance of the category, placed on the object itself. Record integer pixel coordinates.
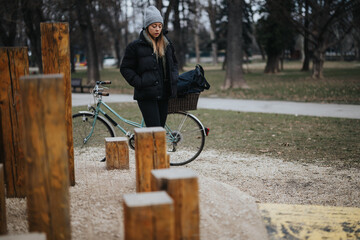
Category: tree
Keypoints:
(330, 25)
(306, 62)
(33, 15)
(179, 42)
(329, 21)
(194, 8)
(167, 13)
(212, 10)
(83, 8)
(356, 31)
(234, 73)
(274, 33)
(222, 26)
(9, 16)
(108, 27)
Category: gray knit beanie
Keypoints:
(152, 15)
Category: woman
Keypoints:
(150, 66)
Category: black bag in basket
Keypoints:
(192, 81)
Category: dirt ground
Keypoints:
(231, 185)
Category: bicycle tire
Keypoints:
(185, 137)
(94, 148)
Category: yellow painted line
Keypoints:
(310, 222)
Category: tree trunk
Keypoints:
(159, 4)
(118, 30)
(9, 23)
(318, 64)
(72, 60)
(72, 20)
(167, 13)
(33, 16)
(214, 48)
(306, 62)
(197, 48)
(223, 67)
(178, 41)
(83, 11)
(234, 73)
(196, 37)
(212, 11)
(272, 64)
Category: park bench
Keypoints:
(76, 83)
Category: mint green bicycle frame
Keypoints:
(98, 110)
(184, 124)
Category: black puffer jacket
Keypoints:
(141, 70)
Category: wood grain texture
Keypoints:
(182, 186)
(150, 153)
(117, 153)
(46, 155)
(13, 64)
(148, 216)
(3, 222)
(55, 51)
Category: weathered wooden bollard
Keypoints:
(3, 222)
(148, 215)
(28, 236)
(117, 153)
(182, 187)
(47, 173)
(55, 49)
(14, 63)
(150, 153)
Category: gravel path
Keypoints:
(230, 186)
(273, 180)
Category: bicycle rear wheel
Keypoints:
(94, 147)
(185, 137)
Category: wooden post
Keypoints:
(27, 236)
(14, 63)
(148, 216)
(3, 222)
(55, 49)
(182, 186)
(150, 153)
(46, 155)
(117, 153)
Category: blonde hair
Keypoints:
(158, 44)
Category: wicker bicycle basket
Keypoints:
(184, 103)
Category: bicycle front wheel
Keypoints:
(86, 144)
(185, 137)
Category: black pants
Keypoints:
(154, 112)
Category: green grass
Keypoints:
(339, 86)
(326, 141)
(341, 83)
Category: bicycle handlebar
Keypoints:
(102, 82)
(98, 90)
(103, 93)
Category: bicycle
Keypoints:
(185, 134)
